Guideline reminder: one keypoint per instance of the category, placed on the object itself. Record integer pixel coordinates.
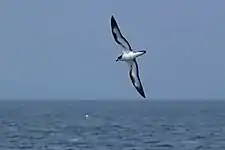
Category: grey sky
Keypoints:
(65, 49)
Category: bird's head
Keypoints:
(119, 58)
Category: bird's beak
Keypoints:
(116, 59)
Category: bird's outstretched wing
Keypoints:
(134, 76)
(118, 36)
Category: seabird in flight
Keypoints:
(128, 55)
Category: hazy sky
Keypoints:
(65, 49)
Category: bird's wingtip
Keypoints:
(112, 18)
(142, 94)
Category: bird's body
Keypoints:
(128, 55)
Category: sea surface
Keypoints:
(112, 125)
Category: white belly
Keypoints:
(131, 55)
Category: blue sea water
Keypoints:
(112, 125)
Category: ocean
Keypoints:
(112, 125)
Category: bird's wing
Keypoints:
(118, 36)
(134, 76)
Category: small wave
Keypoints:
(164, 145)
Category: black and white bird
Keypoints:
(128, 55)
